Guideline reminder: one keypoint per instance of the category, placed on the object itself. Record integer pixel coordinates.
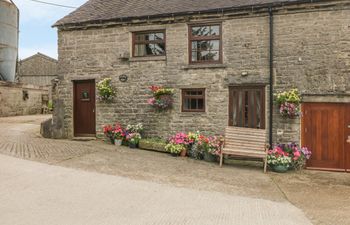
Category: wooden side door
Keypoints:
(247, 106)
(323, 133)
(84, 108)
(347, 137)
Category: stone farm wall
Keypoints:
(13, 100)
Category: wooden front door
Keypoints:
(247, 106)
(325, 132)
(84, 108)
(347, 137)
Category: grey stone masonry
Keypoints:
(312, 47)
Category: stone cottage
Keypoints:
(225, 59)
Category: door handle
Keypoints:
(348, 140)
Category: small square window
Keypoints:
(193, 100)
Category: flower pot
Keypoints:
(118, 142)
(174, 154)
(209, 157)
(112, 140)
(132, 145)
(125, 143)
(183, 153)
(280, 168)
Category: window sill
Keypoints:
(204, 66)
(147, 58)
(190, 114)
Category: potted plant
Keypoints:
(213, 148)
(118, 135)
(175, 149)
(180, 139)
(289, 103)
(279, 160)
(195, 150)
(155, 144)
(133, 139)
(162, 98)
(105, 90)
(108, 132)
(298, 155)
(137, 128)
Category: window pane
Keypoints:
(215, 45)
(194, 56)
(187, 104)
(214, 55)
(140, 50)
(201, 31)
(159, 36)
(204, 55)
(159, 49)
(193, 103)
(200, 103)
(215, 30)
(149, 49)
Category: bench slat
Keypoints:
(247, 142)
(243, 151)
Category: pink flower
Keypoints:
(296, 155)
(151, 101)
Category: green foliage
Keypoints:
(156, 144)
(105, 90)
(291, 96)
(50, 105)
(174, 148)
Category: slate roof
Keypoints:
(97, 11)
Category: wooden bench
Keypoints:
(246, 142)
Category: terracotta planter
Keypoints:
(183, 153)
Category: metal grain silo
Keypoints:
(9, 18)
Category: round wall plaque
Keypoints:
(123, 78)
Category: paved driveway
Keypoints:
(20, 137)
(34, 193)
(124, 186)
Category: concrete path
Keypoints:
(32, 193)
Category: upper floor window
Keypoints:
(149, 43)
(205, 43)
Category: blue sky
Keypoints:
(36, 33)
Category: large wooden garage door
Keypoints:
(326, 131)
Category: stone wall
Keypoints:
(13, 103)
(305, 56)
(95, 54)
(38, 69)
(312, 53)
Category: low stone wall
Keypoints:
(18, 99)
